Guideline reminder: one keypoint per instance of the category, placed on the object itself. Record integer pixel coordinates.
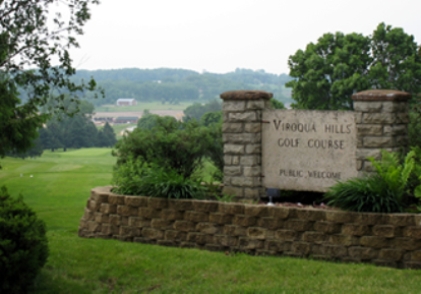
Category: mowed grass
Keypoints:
(57, 186)
(142, 106)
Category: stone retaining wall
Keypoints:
(383, 239)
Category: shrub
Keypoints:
(369, 194)
(170, 144)
(23, 244)
(128, 177)
(159, 182)
(138, 178)
(383, 192)
(394, 174)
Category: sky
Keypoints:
(221, 35)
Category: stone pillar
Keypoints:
(382, 123)
(242, 138)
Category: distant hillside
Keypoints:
(176, 85)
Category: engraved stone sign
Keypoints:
(308, 150)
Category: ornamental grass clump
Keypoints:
(136, 177)
(385, 191)
(368, 194)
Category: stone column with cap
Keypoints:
(382, 123)
(242, 137)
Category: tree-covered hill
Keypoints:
(175, 85)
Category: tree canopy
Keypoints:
(327, 73)
(35, 38)
(172, 86)
(77, 131)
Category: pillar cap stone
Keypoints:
(246, 95)
(381, 95)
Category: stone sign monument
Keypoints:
(308, 150)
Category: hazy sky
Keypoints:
(222, 35)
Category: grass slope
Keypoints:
(58, 190)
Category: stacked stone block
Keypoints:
(242, 137)
(382, 123)
(383, 239)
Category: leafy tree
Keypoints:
(18, 123)
(52, 135)
(106, 136)
(149, 120)
(76, 131)
(197, 110)
(31, 35)
(79, 132)
(210, 118)
(35, 150)
(276, 104)
(329, 72)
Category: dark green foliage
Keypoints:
(329, 72)
(395, 175)
(160, 158)
(170, 144)
(386, 191)
(35, 151)
(138, 178)
(210, 118)
(159, 182)
(414, 126)
(106, 136)
(370, 194)
(128, 176)
(18, 123)
(23, 244)
(197, 110)
(276, 104)
(148, 120)
(76, 131)
(215, 150)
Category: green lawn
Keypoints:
(57, 186)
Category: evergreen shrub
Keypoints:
(23, 244)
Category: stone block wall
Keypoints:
(242, 137)
(381, 118)
(383, 239)
(382, 123)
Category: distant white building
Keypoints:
(126, 102)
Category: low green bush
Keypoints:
(385, 191)
(139, 178)
(163, 157)
(128, 176)
(168, 143)
(23, 244)
(369, 194)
